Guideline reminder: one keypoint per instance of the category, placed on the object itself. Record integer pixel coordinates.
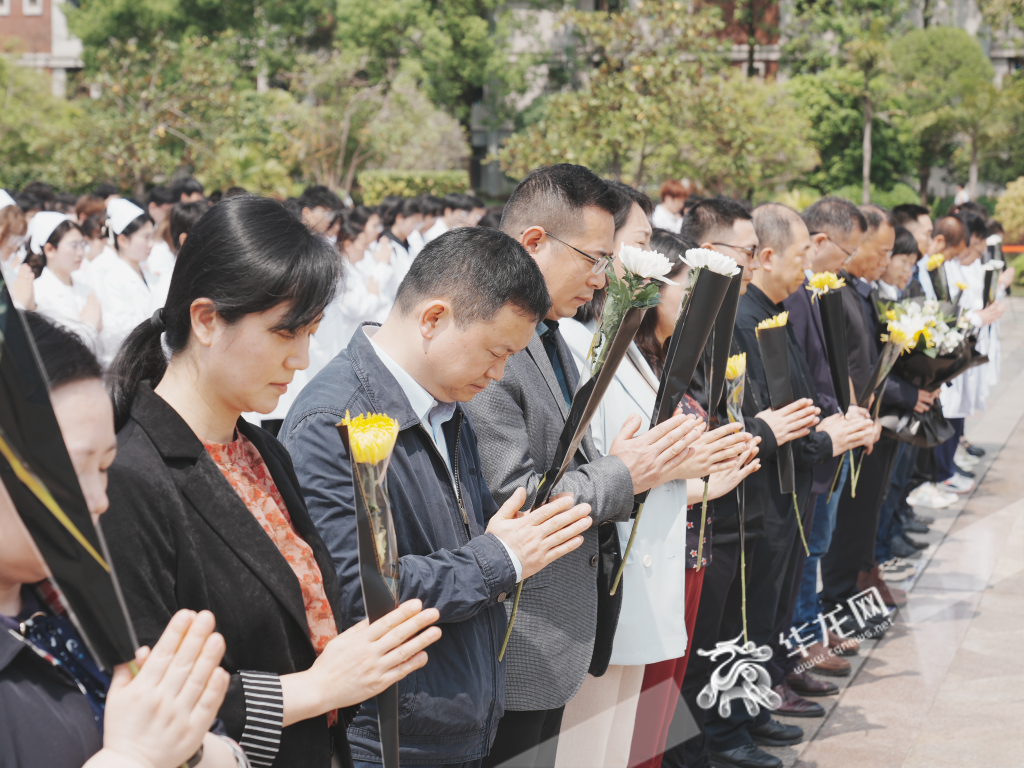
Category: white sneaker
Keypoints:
(964, 460)
(929, 495)
(958, 484)
(951, 498)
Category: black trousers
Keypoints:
(853, 540)
(720, 596)
(526, 739)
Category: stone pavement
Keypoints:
(945, 686)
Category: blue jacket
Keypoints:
(449, 709)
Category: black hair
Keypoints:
(906, 243)
(214, 197)
(431, 205)
(393, 206)
(773, 223)
(247, 254)
(994, 227)
(186, 186)
(479, 271)
(490, 220)
(712, 216)
(457, 202)
(972, 206)
(40, 190)
(353, 222)
(160, 196)
(293, 207)
(627, 197)
(876, 215)
(105, 190)
(554, 197)
(234, 192)
(834, 216)
(28, 203)
(909, 212)
(476, 201)
(691, 201)
(184, 216)
(973, 224)
(65, 357)
(674, 247)
(94, 227)
(133, 226)
(321, 196)
(64, 202)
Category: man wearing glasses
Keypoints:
(563, 216)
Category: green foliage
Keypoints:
(797, 198)
(1010, 212)
(900, 194)
(941, 205)
(830, 101)
(376, 185)
(1003, 14)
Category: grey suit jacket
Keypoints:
(518, 421)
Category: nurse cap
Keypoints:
(121, 213)
(5, 199)
(41, 227)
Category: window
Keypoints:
(31, 7)
(5, 7)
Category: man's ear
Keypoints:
(434, 315)
(531, 239)
(818, 239)
(938, 244)
(766, 259)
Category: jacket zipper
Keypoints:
(455, 465)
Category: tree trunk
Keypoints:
(923, 174)
(865, 197)
(972, 176)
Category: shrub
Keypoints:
(376, 185)
(942, 205)
(901, 193)
(1010, 212)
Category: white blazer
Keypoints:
(64, 304)
(126, 300)
(651, 624)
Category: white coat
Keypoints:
(663, 218)
(161, 259)
(651, 624)
(126, 300)
(64, 304)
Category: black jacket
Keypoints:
(808, 451)
(181, 537)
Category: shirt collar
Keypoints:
(422, 402)
(547, 327)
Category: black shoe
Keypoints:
(913, 526)
(747, 756)
(914, 542)
(901, 549)
(776, 734)
(974, 450)
(923, 519)
(966, 473)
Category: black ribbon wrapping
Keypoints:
(378, 577)
(697, 318)
(940, 283)
(991, 281)
(930, 373)
(925, 430)
(721, 344)
(774, 346)
(833, 323)
(887, 359)
(38, 474)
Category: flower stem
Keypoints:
(703, 519)
(743, 592)
(629, 548)
(511, 620)
(800, 524)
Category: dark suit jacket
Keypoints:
(180, 537)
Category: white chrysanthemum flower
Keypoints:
(646, 264)
(995, 264)
(702, 258)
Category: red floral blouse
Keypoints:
(245, 469)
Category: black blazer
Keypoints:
(180, 537)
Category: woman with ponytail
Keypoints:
(206, 512)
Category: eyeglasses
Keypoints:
(77, 245)
(599, 265)
(849, 254)
(750, 250)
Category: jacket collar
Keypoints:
(382, 389)
(768, 307)
(171, 436)
(539, 355)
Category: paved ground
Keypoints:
(945, 686)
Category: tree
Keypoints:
(1003, 14)
(948, 87)
(830, 101)
(852, 34)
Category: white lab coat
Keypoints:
(161, 259)
(968, 391)
(126, 300)
(651, 624)
(416, 243)
(64, 304)
(435, 231)
(663, 218)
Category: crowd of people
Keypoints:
(223, 339)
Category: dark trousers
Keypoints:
(853, 541)
(720, 595)
(526, 739)
(783, 660)
(945, 468)
(890, 523)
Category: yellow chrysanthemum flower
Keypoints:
(897, 336)
(961, 285)
(774, 322)
(372, 436)
(934, 262)
(736, 367)
(823, 282)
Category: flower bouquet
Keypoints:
(773, 343)
(369, 441)
(938, 276)
(40, 479)
(711, 278)
(628, 299)
(824, 288)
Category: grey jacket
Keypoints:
(518, 421)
